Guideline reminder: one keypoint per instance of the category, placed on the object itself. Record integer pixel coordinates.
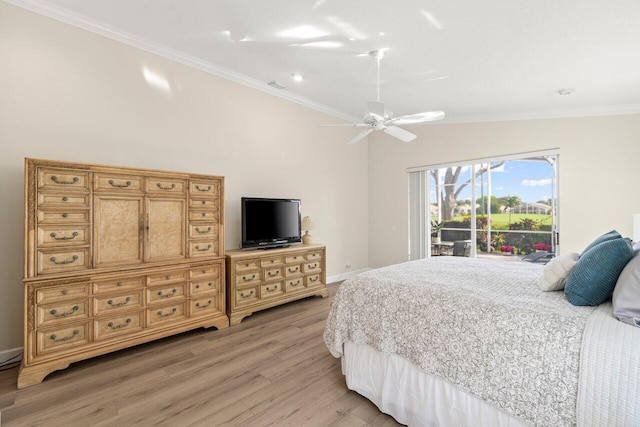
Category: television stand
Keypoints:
(259, 279)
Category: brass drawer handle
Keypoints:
(171, 313)
(54, 313)
(250, 294)
(204, 306)
(57, 181)
(275, 288)
(64, 215)
(249, 279)
(119, 284)
(294, 270)
(65, 199)
(204, 214)
(210, 284)
(273, 273)
(122, 325)
(54, 236)
(204, 202)
(163, 295)
(313, 266)
(169, 188)
(207, 231)
(54, 338)
(167, 277)
(125, 185)
(119, 304)
(69, 261)
(65, 292)
(199, 249)
(207, 189)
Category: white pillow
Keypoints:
(555, 273)
(626, 295)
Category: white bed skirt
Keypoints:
(412, 396)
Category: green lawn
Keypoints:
(502, 220)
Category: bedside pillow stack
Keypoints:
(626, 295)
(593, 279)
(555, 273)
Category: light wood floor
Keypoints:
(271, 370)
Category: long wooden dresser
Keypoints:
(260, 279)
(115, 257)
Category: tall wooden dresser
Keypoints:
(115, 257)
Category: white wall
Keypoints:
(68, 94)
(598, 174)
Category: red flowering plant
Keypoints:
(541, 247)
(506, 248)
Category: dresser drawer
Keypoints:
(166, 186)
(273, 273)
(247, 278)
(204, 215)
(118, 285)
(292, 270)
(114, 326)
(293, 285)
(294, 259)
(198, 248)
(165, 293)
(109, 304)
(62, 216)
(167, 277)
(63, 200)
(47, 295)
(51, 314)
(213, 203)
(169, 313)
(204, 306)
(247, 265)
(203, 230)
(117, 183)
(59, 260)
(63, 180)
(271, 262)
(205, 272)
(63, 235)
(204, 188)
(246, 296)
(312, 280)
(205, 285)
(313, 256)
(311, 267)
(62, 338)
(269, 290)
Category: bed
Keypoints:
(453, 341)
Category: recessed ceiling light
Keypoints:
(565, 91)
(297, 77)
(302, 32)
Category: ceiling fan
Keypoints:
(380, 118)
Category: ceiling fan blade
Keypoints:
(399, 133)
(376, 108)
(360, 136)
(427, 116)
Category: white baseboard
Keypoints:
(345, 276)
(9, 356)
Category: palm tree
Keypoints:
(511, 202)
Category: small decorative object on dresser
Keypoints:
(307, 225)
(116, 257)
(262, 279)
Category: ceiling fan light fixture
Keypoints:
(377, 53)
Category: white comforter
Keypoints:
(483, 326)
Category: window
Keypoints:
(488, 207)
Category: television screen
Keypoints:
(270, 222)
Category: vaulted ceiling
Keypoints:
(476, 60)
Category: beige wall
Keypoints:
(598, 173)
(69, 94)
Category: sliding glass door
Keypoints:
(504, 206)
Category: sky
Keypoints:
(529, 180)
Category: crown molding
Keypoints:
(51, 11)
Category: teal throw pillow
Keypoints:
(592, 280)
(613, 234)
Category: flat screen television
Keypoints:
(270, 223)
